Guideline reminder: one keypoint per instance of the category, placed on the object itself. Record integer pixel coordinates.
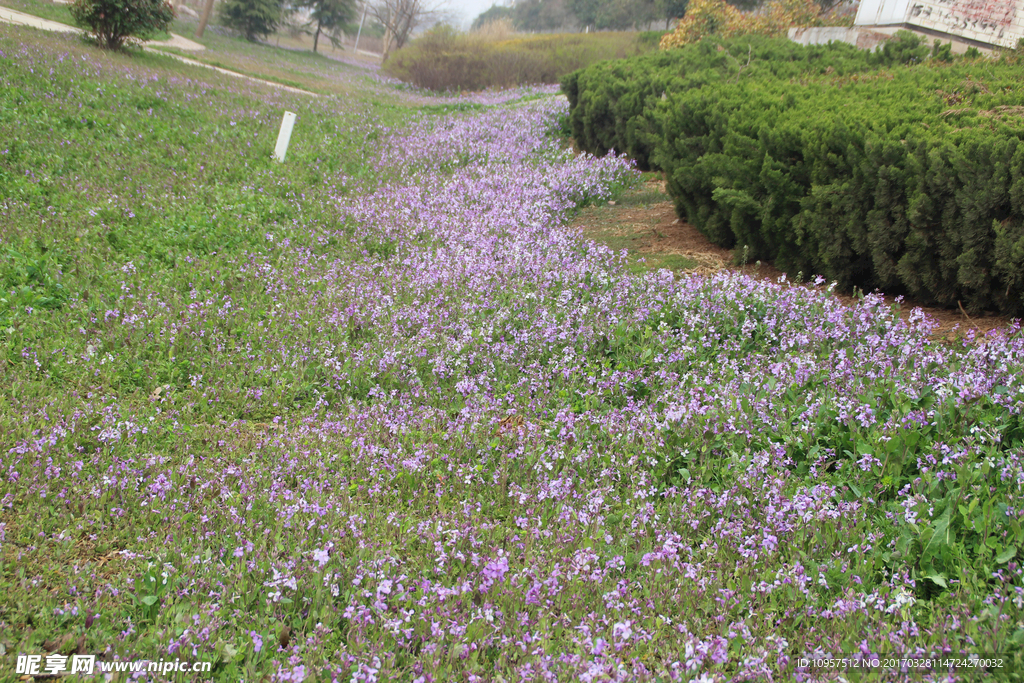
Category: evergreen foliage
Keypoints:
(872, 169)
(330, 17)
(671, 9)
(255, 19)
(608, 100)
(115, 21)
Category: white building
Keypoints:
(984, 22)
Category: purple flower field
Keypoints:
(386, 417)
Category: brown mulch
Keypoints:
(664, 233)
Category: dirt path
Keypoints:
(177, 41)
(13, 16)
(645, 223)
(227, 72)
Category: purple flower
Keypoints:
(493, 572)
(321, 556)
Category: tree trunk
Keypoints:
(387, 45)
(206, 18)
(316, 36)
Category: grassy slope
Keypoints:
(42, 8)
(137, 183)
(312, 72)
(60, 13)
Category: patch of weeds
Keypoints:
(31, 281)
(657, 261)
(631, 222)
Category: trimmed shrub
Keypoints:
(873, 174)
(608, 101)
(908, 180)
(114, 22)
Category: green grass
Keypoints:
(59, 13)
(207, 148)
(629, 224)
(42, 9)
(292, 67)
(674, 262)
(300, 69)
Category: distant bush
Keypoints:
(445, 59)
(650, 40)
(705, 18)
(116, 21)
(495, 13)
(877, 170)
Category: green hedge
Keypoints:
(608, 101)
(909, 179)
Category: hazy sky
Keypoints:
(466, 11)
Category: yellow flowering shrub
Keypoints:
(718, 18)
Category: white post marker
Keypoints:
(287, 123)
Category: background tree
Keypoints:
(586, 12)
(401, 17)
(494, 13)
(543, 15)
(115, 21)
(253, 18)
(622, 15)
(329, 16)
(671, 9)
(615, 15)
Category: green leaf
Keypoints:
(149, 600)
(903, 543)
(1006, 555)
(936, 577)
(941, 536)
(910, 439)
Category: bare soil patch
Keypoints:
(645, 224)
